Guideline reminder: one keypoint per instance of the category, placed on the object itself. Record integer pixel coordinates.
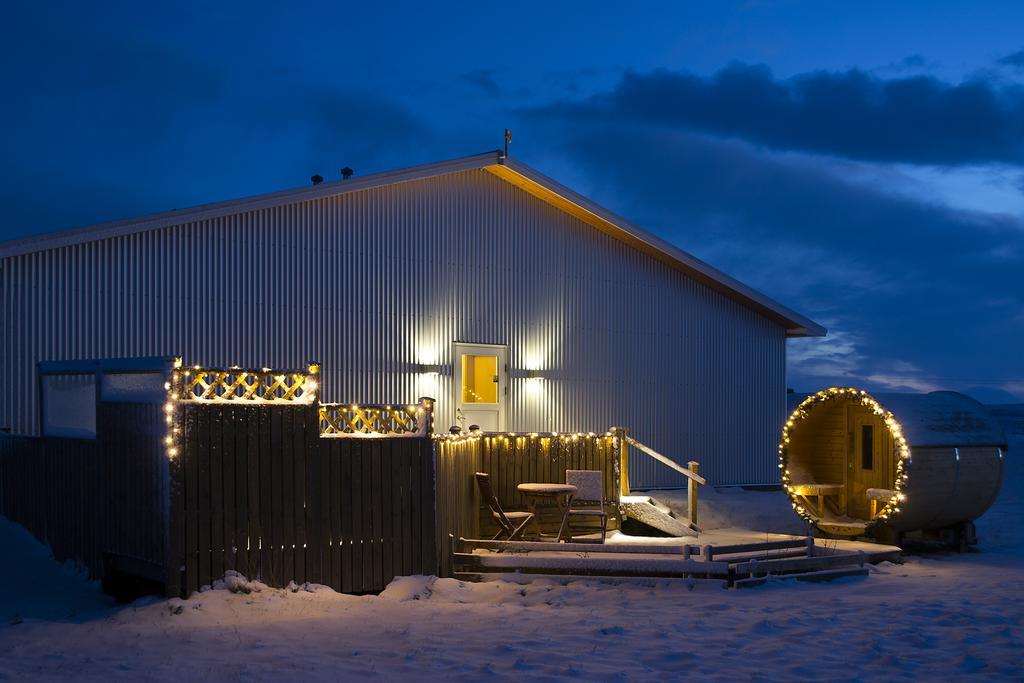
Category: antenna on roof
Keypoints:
(508, 139)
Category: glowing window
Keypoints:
(479, 379)
(867, 447)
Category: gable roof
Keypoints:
(507, 169)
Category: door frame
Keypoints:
(499, 350)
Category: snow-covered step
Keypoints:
(648, 511)
(611, 547)
(842, 527)
(582, 564)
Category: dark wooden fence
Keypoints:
(257, 490)
(458, 499)
(88, 498)
(512, 460)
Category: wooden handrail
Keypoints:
(665, 461)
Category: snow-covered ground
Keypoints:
(938, 617)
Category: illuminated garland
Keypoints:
(563, 439)
(248, 385)
(477, 434)
(181, 387)
(892, 506)
(354, 420)
(173, 389)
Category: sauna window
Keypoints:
(867, 447)
(479, 379)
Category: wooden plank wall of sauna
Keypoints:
(458, 498)
(88, 497)
(512, 461)
(264, 495)
(817, 448)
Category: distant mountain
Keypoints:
(990, 395)
(1010, 414)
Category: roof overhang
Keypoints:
(520, 175)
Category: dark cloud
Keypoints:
(363, 131)
(30, 206)
(911, 63)
(896, 279)
(1014, 60)
(263, 141)
(307, 128)
(51, 63)
(484, 80)
(914, 62)
(123, 127)
(853, 114)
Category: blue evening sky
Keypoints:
(862, 162)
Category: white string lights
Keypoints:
(235, 385)
(353, 420)
(892, 506)
(173, 388)
(508, 437)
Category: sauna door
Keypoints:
(869, 461)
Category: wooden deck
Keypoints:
(730, 559)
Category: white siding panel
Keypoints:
(372, 283)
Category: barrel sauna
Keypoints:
(883, 465)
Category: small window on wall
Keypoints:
(69, 405)
(479, 379)
(867, 447)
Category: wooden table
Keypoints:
(536, 492)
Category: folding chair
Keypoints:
(511, 523)
(589, 492)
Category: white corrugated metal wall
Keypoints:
(375, 282)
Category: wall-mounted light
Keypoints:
(429, 368)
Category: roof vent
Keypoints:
(346, 173)
(316, 179)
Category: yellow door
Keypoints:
(480, 380)
(869, 460)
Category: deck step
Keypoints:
(604, 564)
(586, 548)
(651, 581)
(740, 564)
(842, 528)
(648, 511)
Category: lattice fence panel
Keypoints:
(248, 386)
(340, 420)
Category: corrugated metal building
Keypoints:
(592, 321)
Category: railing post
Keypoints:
(691, 491)
(623, 462)
(428, 415)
